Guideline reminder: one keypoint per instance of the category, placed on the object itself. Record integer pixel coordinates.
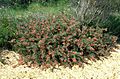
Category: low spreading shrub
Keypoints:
(60, 40)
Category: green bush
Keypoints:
(60, 40)
(113, 24)
(7, 30)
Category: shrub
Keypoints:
(7, 31)
(113, 24)
(60, 40)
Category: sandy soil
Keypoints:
(102, 69)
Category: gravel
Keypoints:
(106, 68)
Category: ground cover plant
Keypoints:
(60, 40)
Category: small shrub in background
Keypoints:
(113, 24)
(60, 40)
(7, 31)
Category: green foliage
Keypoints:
(25, 3)
(60, 40)
(113, 24)
(7, 30)
(9, 2)
(33, 9)
(53, 2)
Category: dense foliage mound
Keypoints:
(60, 40)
